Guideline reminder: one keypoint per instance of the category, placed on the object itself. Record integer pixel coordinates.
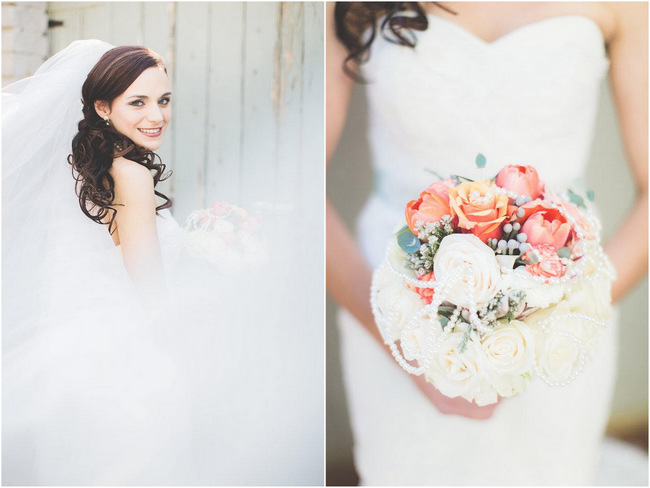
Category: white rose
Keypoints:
(557, 356)
(508, 386)
(592, 297)
(397, 304)
(483, 276)
(464, 374)
(222, 226)
(414, 336)
(538, 295)
(510, 349)
(585, 330)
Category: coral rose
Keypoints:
(544, 224)
(523, 180)
(479, 209)
(431, 206)
(549, 264)
(425, 293)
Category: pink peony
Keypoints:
(523, 180)
(431, 206)
(544, 224)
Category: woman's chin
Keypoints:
(151, 144)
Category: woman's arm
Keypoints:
(135, 203)
(348, 274)
(628, 51)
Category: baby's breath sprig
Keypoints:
(430, 235)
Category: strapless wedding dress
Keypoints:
(529, 97)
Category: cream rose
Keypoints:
(507, 386)
(483, 275)
(466, 374)
(557, 356)
(414, 336)
(398, 304)
(510, 349)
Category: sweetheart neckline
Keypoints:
(517, 31)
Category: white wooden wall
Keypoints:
(247, 80)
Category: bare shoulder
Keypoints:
(631, 19)
(127, 174)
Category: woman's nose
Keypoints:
(154, 114)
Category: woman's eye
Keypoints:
(137, 103)
(164, 101)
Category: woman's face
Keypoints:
(143, 111)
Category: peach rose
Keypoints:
(480, 215)
(549, 264)
(544, 224)
(425, 293)
(431, 206)
(523, 180)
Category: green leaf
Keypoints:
(480, 161)
(591, 195)
(564, 252)
(446, 309)
(458, 178)
(402, 230)
(408, 241)
(443, 321)
(577, 199)
(434, 173)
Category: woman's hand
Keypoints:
(453, 406)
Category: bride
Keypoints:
(125, 362)
(517, 82)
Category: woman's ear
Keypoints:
(102, 108)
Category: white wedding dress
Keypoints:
(530, 97)
(221, 384)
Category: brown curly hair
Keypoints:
(400, 19)
(97, 144)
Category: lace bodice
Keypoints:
(530, 97)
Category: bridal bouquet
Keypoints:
(226, 236)
(493, 282)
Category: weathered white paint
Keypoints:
(243, 75)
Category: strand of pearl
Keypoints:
(582, 353)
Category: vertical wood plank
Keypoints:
(224, 102)
(156, 29)
(71, 30)
(288, 102)
(258, 150)
(190, 83)
(97, 20)
(156, 32)
(126, 21)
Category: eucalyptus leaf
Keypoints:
(480, 161)
(446, 309)
(564, 252)
(443, 321)
(577, 199)
(402, 230)
(408, 241)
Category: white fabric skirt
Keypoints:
(545, 436)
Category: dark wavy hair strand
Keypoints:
(357, 27)
(97, 144)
